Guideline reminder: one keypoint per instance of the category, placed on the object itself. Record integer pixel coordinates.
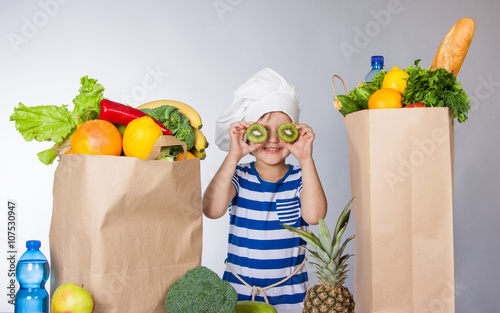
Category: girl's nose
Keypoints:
(272, 137)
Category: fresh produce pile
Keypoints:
(99, 126)
(423, 88)
(418, 87)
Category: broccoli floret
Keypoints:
(156, 113)
(167, 153)
(201, 290)
(169, 116)
(185, 133)
(174, 121)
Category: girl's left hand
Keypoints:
(302, 147)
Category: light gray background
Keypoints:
(199, 52)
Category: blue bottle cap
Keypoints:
(33, 244)
(377, 59)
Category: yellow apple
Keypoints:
(70, 298)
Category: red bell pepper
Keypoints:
(118, 113)
(415, 105)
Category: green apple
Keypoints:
(121, 128)
(70, 298)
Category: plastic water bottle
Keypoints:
(32, 272)
(377, 66)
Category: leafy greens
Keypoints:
(58, 123)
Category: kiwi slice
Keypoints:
(288, 132)
(256, 133)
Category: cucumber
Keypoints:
(254, 307)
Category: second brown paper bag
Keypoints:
(401, 169)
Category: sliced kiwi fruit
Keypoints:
(256, 133)
(288, 132)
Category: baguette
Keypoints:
(452, 51)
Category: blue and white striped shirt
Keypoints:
(260, 250)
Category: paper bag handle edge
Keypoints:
(336, 102)
(333, 84)
(166, 141)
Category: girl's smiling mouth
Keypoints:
(272, 149)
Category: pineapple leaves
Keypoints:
(341, 250)
(313, 241)
(343, 219)
(344, 259)
(319, 255)
(340, 229)
(337, 240)
(325, 257)
(324, 276)
(308, 237)
(328, 250)
(324, 236)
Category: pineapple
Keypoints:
(329, 295)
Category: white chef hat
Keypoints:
(266, 91)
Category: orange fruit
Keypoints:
(396, 79)
(70, 151)
(97, 137)
(385, 98)
(140, 136)
(180, 157)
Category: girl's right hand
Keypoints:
(238, 147)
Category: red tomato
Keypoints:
(415, 105)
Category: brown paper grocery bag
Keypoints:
(401, 169)
(125, 228)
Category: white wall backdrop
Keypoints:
(199, 52)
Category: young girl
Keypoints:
(264, 261)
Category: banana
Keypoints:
(198, 154)
(200, 141)
(185, 109)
